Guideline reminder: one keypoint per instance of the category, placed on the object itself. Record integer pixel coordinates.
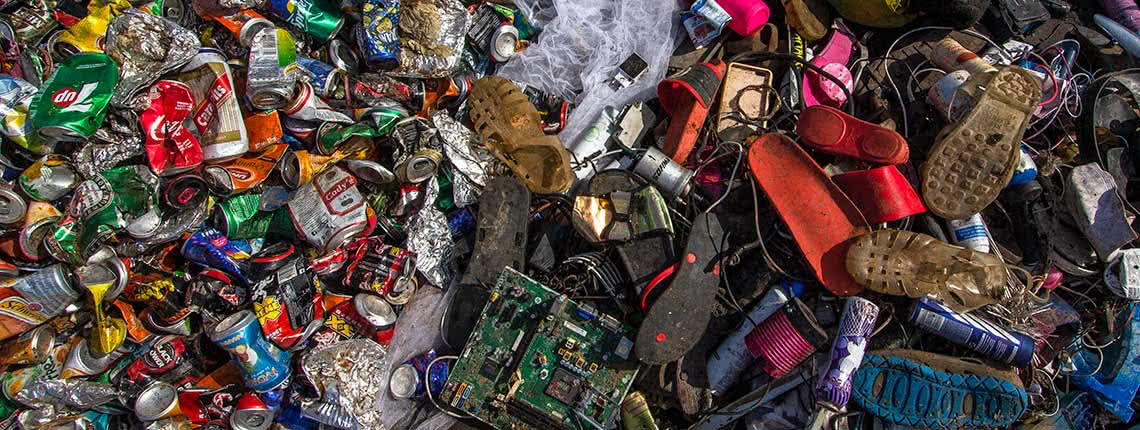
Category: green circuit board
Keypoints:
(538, 360)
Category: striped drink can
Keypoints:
(976, 333)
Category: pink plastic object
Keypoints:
(818, 89)
(1052, 279)
(747, 15)
(1123, 11)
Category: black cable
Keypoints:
(849, 104)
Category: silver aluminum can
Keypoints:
(13, 208)
(158, 400)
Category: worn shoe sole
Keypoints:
(905, 263)
(975, 158)
(914, 388)
(512, 129)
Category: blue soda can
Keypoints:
(377, 36)
(264, 367)
(322, 76)
(1026, 170)
(210, 248)
(973, 332)
(408, 380)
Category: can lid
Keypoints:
(31, 239)
(145, 226)
(374, 309)
(404, 381)
(156, 401)
(13, 208)
(251, 419)
(271, 97)
(219, 180)
(503, 43)
(61, 48)
(370, 171)
(291, 169)
(231, 324)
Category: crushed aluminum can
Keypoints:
(170, 148)
(170, 359)
(378, 34)
(74, 102)
(264, 366)
(264, 130)
(306, 106)
(82, 362)
(30, 347)
(48, 179)
(15, 102)
(318, 18)
(244, 173)
(245, 25)
(251, 414)
(13, 208)
(379, 268)
(157, 401)
(288, 303)
(328, 81)
(31, 300)
(271, 76)
(216, 119)
(407, 380)
(419, 167)
(330, 210)
(145, 46)
(185, 191)
(210, 248)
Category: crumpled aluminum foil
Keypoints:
(48, 417)
(432, 33)
(146, 47)
(116, 141)
(351, 367)
(430, 238)
(73, 393)
(467, 156)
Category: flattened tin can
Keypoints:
(263, 365)
(378, 34)
(216, 118)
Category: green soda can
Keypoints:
(239, 218)
(73, 102)
(320, 19)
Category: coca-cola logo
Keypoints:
(161, 356)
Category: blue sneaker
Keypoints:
(915, 388)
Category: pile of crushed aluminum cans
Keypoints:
(569, 214)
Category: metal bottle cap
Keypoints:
(12, 206)
(157, 401)
(375, 310)
(404, 381)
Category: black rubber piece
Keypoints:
(678, 318)
(500, 241)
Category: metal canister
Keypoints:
(185, 191)
(251, 414)
(732, 356)
(263, 365)
(408, 380)
(272, 73)
(420, 167)
(216, 119)
(318, 18)
(81, 362)
(12, 206)
(671, 178)
(949, 55)
(973, 332)
(29, 348)
(157, 401)
(378, 35)
(244, 25)
(49, 178)
(834, 386)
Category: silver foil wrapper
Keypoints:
(170, 230)
(146, 47)
(431, 37)
(329, 411)
(430, 238)
(346, 373)
(48, 417)
(471, 162)
(72, 393)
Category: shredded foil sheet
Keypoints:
(347, 374)
(73, 393)
(145, 47)
(430, 238)
(472, 163)
(431, 37)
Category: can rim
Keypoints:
(407, 373)
(151, 412)
(232, 324)
(14, 199)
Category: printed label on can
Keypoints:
(331, 207)
(216, 119)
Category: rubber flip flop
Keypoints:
(821, 218)
(975, 158)
(687, 96)
(680, 315)
(916, 388)
(500, 241)
(512, 130)
(882, 194)
(905, 263)
(830, 130)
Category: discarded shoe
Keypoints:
(833, 131)
(810, 18)
(833, 59)
(905, 263)
(975, 158)
(687, 97)
(916, 388)
(1098, 210)
(512, 130)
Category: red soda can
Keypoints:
(203, 406)
(171, 360)
(170, 147)
(379, 268)
(288, 303)
(251, 414)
